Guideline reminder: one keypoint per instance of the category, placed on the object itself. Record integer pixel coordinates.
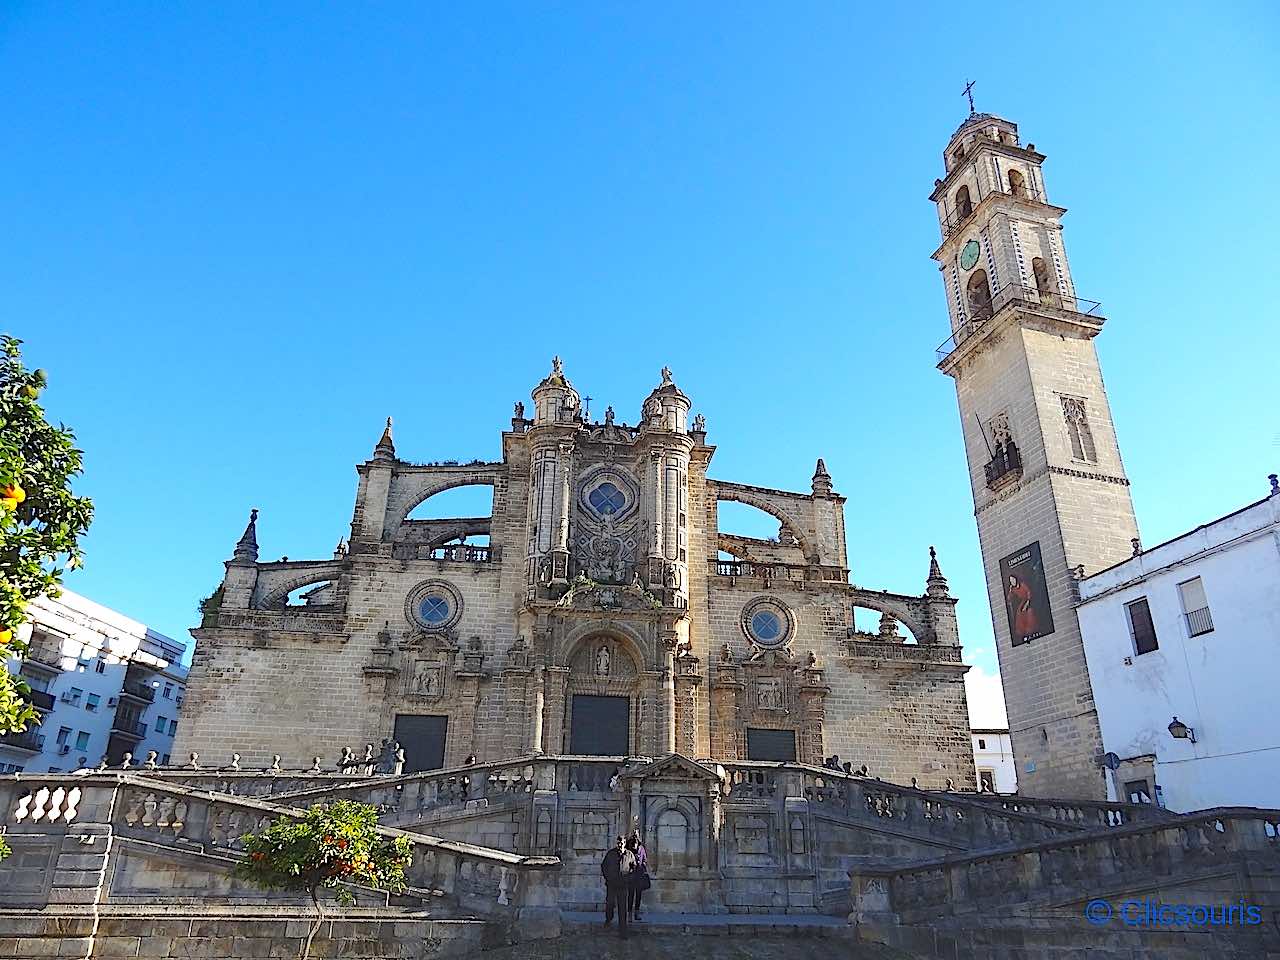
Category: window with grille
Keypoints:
(1195, 607)
(1141, 628)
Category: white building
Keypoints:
(104, 684)
(1181, 643)
(993, 758)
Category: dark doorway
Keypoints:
(600, 726)
(771, 744)
(423, 741)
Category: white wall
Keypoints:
(1220, 683)
(89, 634)
(993, 750)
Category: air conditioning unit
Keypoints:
(64, 749)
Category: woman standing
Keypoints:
(640, 881)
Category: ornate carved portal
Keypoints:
(603, 698)
(769, 691)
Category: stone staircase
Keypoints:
(742, 850)
(1106, 892)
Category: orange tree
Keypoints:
(41, 521)
(329, 847)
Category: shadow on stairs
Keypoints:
(691, 936)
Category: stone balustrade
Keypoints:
(954, 819)
(478, 879)
(1087, 814)
(411, 797)
(1068, 869)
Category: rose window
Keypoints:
(607, 499)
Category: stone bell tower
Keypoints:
(1049, 488)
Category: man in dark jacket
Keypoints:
(617, 867)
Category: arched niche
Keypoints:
(603, 689)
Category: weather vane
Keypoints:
(968, 92)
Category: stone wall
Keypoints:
(240, 934)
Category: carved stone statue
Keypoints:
(602, 662)
(700, 423)
(608, 416)
(666, 375)
(652, 408)
(556, 365)
(519, 410)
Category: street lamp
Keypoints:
(1180, 731)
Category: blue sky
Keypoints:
(240, 235)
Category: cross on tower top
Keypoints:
(968, 92)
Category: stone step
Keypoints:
(717, 924)
(668, 943)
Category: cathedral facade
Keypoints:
(605, 615)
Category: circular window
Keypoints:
(433, 605)
(607, 499)
(766, 625)
(434, 609)
(768, 622)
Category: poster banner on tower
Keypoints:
(1026, 596)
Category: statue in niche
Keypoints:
(726, 655)
(652, 409)
(602, 662)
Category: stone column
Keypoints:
(813, 694)
(539, 679)
(687, 682)
(556, 688)
(655, 520)
(565, 471)
(725, 725)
